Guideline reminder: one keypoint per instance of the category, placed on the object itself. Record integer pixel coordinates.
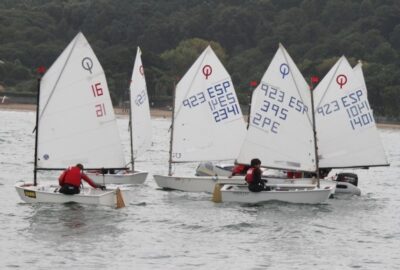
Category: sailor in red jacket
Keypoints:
(239, 169)
(70, 180)
(253, 177)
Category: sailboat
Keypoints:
(342, 143)
(346, 129)
(75, 123)
(281, 135)
(207, 123)
(139, 128)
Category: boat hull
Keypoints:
(49, 194)
(342, 188)
(207, 183)
(241, 194)
(298, 182)
(194, 183)
(129, 178)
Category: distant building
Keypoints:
(1, 62)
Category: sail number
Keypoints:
(220, 99)
(356, 106)
(97, 91)
(30, 194)
(140, 98)
(275, 107)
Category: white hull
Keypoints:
(323, 183)
(208, 168)
(194, 183)
(50, 194)
(129, 178)
(207, 183)
(241, 194)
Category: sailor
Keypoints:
(70, 180)
(253, 176)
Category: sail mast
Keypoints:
(130, 130)
(314, 132)
(252, 84)
(40, 71)
(172, 131)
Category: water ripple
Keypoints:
(178, 230)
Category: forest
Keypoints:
(171, 35)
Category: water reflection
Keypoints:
(49, 222)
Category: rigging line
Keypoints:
(59, 76)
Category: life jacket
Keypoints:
(238, 169)
(73, 176)
(249, 176)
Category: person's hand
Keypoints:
(101, 187)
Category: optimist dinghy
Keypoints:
(74, 119)
(49, 194)
(281, 134)
(282, 193)
(207, 123)
(346, 130)
(139, 129)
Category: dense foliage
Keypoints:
(172, 33)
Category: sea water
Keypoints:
(177, 230)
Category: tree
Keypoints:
(182, 57)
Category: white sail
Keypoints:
(346, 130)
(360, 76)
(140, 110)
(209, 124)
(280, 132)
(76, 117)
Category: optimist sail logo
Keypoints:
(341, 80)
(207, 71)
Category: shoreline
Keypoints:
(154, 112)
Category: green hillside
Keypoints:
(172, 34)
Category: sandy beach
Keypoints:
(155, 112)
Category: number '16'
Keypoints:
(97, 90)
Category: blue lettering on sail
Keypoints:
(275, 108)
(220, 99)
(140, 98)
(356, 106)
